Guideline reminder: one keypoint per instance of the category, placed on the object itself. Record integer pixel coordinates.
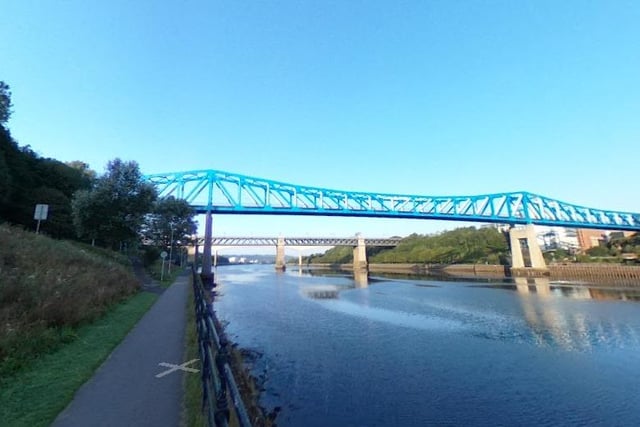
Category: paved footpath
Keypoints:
(126, 389)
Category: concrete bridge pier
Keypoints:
(281, 263)
(524, 238)
(207, 272)
(360, 254)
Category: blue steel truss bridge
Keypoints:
(303, 241)
(218, 192)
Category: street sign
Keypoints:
(41, 212)
(163, 255)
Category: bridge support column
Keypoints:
(281, 264)
(525, 238)
(207, 273)
(360, 254)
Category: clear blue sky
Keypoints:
(418, 97)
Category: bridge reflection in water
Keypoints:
(544, 305)
(360, 281)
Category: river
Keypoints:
(333, 351)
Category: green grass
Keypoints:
(155, 271)
(192, 415)
(35, 396)
(114, 256)
(48, 289)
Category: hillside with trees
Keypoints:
(466, 245)
(27, 179)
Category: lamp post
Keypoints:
(195, 252)
(171, 249)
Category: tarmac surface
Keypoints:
(140, 383)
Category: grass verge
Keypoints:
(192, 415)
(34, 397)
(155, 271)
(48, 289)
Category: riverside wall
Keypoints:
(591, 272)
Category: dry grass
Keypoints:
(47, 289)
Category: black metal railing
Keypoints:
(217, 378)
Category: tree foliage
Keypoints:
(171, 221)
(459, 246)
(621, 245)
(5, 103)
(113, 211)
(337, 255)
(27, 179)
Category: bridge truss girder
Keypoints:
(228, 193)
(302, 241)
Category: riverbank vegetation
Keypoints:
(35, 396)
(471, 245)
(64, 306)
(466, 245)
(26, 179)
(48, 289)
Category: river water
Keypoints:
(333, 351)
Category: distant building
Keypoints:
(550, 238)
(588, 238)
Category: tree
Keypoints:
(462, 245)
(5, 103)
(84, 169)
(59, 223)
(5, 180)
(171, 222)
(113, 211)
(27, 179)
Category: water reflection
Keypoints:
(545, 314)
(400, 353)
(543, 286)
(540, 285)
(321, 292)
(552, 324)
(361, 278)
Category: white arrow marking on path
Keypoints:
(174, 368)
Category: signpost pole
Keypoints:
(40, 214)
(163, 255)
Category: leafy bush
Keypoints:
(150, 254)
